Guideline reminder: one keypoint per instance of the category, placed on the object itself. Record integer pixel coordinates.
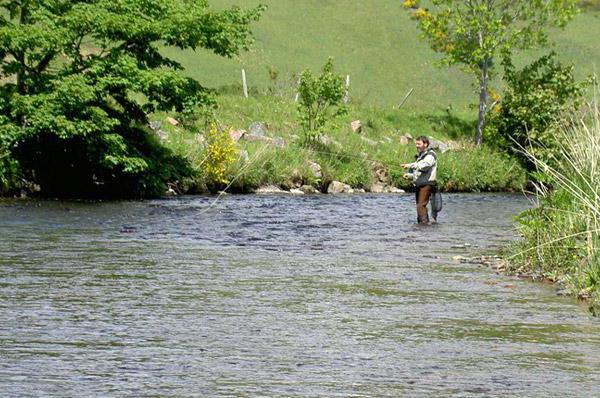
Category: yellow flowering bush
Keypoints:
(221, 156)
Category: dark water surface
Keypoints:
(267, 296)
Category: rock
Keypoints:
(172, 121)
(377, 187)
(380, 187)
(260, 138)
(360, 190)
(338, 187)
(309, 190)
(404, 140)
(437, 145)
(270, 189)
(395, 190)
(156, 127)
(388, 139)
(296, 191)
(236, 135)
(278, 142)
(170, 192)
(328, 141)
(461, 259)
(382, 175)
(368, 141)
(315, 169)
(257, 129)
(356, 126)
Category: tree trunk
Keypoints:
(483, 94)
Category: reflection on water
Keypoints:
(278, 296)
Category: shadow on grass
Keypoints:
(451, 125)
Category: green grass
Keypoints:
(375, 42)
(561, 237)
(350, 157)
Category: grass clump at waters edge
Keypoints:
(561, 236)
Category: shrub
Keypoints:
(535, 98)
(320, 101)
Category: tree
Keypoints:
(80, 77)
(474, 32)
(320, 101)
(535, 99)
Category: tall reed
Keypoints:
(562, 234)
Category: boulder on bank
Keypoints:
(336, 187)
(406, 139)
(270, 189)
(356, 126)
(315, 169)
(257, 129)
(380, 187)
(437, 145)
(237, 135)
(309, 190)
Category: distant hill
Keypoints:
(373, 41)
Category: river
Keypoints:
(278, 296)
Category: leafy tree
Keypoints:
(473, 33)
(536, 97)
(320, 101)
(80, 76)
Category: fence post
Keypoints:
(347, 96)
(244, 84)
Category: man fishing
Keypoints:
(423, 173)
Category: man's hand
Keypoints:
(407, 165)
(407, 176)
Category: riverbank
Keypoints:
(561, 234)
(260, 145)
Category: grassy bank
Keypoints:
(358, 159)
(376, 43)
(561, 236)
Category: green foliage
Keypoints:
(474, 33)
(81, 76)
(535, 98)
(561, 237)
(320, 101)
(349, 157)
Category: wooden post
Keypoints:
(244, 84)
(347, 96)
(297, 92)
(405, 98)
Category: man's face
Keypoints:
(421, 146)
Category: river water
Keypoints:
(276, 296)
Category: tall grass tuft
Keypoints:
(562, 234)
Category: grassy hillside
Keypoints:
(374, 41)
